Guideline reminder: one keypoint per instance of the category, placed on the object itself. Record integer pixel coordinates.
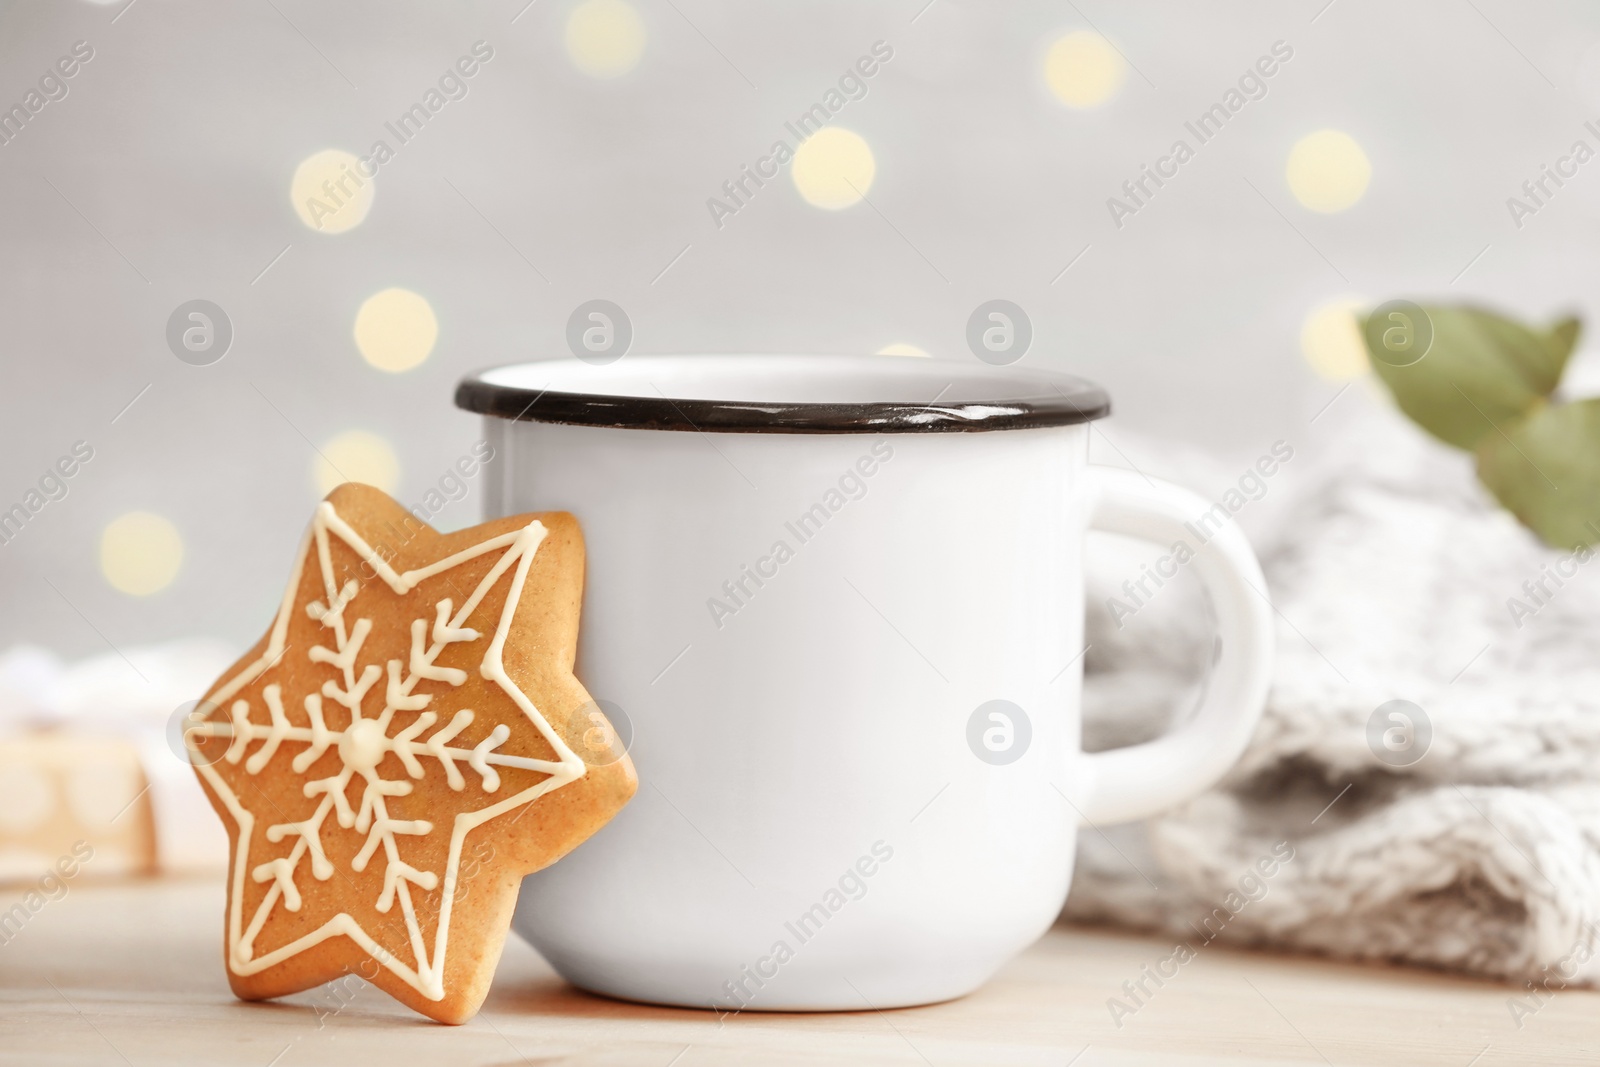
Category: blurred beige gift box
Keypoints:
(91, 764)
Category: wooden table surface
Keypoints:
(131, 973)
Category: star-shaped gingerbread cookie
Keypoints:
(405, 743)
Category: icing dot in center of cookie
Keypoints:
(363, 745)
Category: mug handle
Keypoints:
(1123, 784)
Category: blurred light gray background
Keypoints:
(164, 176)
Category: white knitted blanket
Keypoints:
(1391, 569)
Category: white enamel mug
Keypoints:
(839, 601)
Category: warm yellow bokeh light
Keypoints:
(1083, 70)
(395, 330)
(140, 553)
(1330, 339)
(833, 168)
(356, 456)
(1328, 171)
(329, 191)
(605, 38)
(900, 348)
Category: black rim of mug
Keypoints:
(1043, 399)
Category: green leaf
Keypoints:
(1546, 470)
(1481, 371)
(1563, 339)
